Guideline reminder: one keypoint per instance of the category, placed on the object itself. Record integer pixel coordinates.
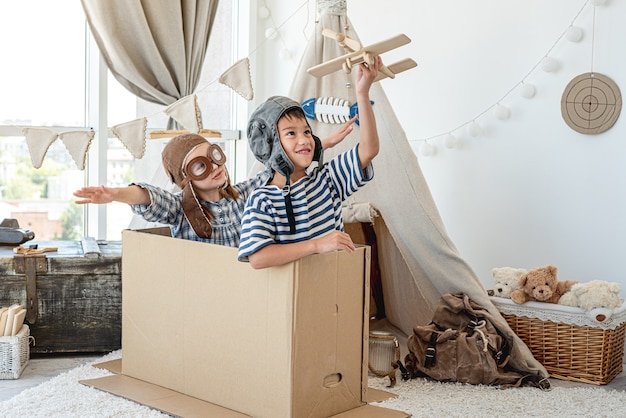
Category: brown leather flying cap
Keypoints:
(174, 154)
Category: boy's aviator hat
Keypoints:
(173, 157)
(264, 143)
(263, 136)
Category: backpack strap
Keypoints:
(431, 352)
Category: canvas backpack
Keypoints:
(461, 344)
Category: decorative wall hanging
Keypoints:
(38, 141)
(527, 90)
(77, 144)
(133, 135)
(186, 112)
(238, 78)
(591, 103)
(329, 109)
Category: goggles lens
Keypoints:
(199, 168)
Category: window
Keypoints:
(54, 79)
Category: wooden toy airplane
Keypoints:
(355, 55)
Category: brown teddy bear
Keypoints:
(540, 284)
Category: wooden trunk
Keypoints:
(73, 295)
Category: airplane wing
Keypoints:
(331, 66)
(396, 68)
(387, 45)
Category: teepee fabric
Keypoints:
(418, 260)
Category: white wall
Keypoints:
(530, 191)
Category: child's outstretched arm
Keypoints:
(340, 134)
(368, 141)
(132, 195)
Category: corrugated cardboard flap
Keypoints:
(180, 405)
(158, 397)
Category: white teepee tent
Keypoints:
(418, 261)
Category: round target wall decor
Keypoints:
(591, 103)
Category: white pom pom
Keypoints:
(271, 33)
(527, 90)
(501, 112)
(474, 130)
(549, 65)
(450, 141)
(427, 150)
(263, 12)
(574, 34)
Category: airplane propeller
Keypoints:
(351, 45)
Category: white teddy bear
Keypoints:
(598, 298)
(506, 280)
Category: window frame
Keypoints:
(96, 117)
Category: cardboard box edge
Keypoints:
(127, 387)
(123, 386)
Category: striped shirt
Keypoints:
(316, 200)
(166, 207)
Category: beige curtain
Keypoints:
(154, 48)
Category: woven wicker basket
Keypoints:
(569, 344)
(14, 354)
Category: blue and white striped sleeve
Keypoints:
(258, 225)
(346, 172)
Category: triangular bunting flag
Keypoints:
(186, 112)
(77, 143)
(133, 135)
(238, 78)
(38, 141)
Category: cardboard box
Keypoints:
(278, 342)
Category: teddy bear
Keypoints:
(598, 298)
(541, 284)
(506, 280)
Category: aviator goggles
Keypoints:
(200, 167)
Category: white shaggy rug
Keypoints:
(63, 396)
(427, 398)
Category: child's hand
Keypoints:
(94, 195)
(340, 134)
(336, 240)
(367, 74)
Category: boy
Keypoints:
(298, 213)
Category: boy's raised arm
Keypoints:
(368, 141)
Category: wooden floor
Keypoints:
(41, 369)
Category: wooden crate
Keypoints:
(73, 296)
